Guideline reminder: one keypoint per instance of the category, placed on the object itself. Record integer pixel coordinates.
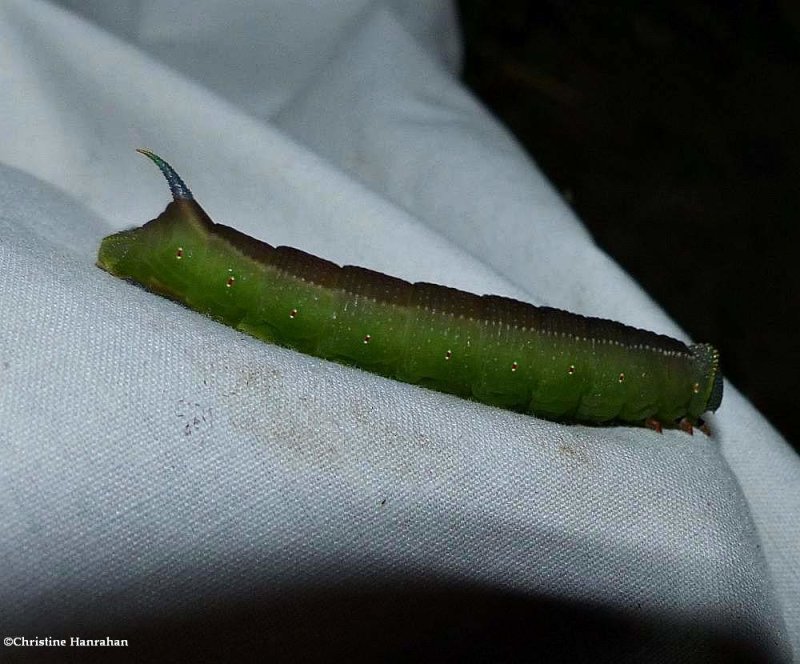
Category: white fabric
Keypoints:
(154, 463)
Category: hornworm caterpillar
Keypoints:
(502, 352)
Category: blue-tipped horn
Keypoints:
(178, 188)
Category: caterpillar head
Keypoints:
(708, 385)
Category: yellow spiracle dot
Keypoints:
(448, 355)
(230, 281)
(367, 338)
(293, 313)
(514, 366)
(696, 388)
(622, 378)
(571, 369)
(179, 253)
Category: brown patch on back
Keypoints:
(563, 323)
(177, 212)
(306, 266)
(250, 247)
(448, 300)
(376, 285)
(385, 288)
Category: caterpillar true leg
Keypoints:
(654, 424)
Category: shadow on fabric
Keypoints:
(410, 623)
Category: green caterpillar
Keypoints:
(502, 352)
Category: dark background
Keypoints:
(672, 130)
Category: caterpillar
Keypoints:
(502, 352)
